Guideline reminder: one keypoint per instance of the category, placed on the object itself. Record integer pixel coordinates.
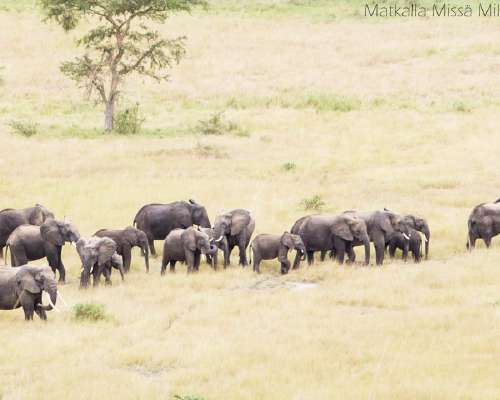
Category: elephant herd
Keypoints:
(184, 227)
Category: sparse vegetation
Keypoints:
(90, 312)
(289, 166)
(315, 203)
(218, 125)
(129, 121)
(24, 128)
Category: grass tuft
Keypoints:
(90, 312)
(26, 129)
(315, 203)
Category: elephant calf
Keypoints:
(186, 245)
(268, 247)
(414, 245)
(221, 245)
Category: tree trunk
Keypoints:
(109, 114)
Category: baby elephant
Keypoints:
(186, 245)
(267, 247)
(397, 241)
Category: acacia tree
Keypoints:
(119, 44)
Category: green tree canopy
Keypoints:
(120, 43)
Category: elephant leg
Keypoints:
(406, 247)
(210, 260)
(96, 273)
(127, 257)
(340, 248)
(215, 260)
(351, 255)
(190, 261)
(107, 274)
(256, 263)
(18, 256)
(1, 252)
(487, 241)
(197, 260)
(322, 255)
(379, 251)
(41, 313)
(151, 243)
(285, 267)
(164, 263)
(242, 246)
(310, 257)
(28, 306)
(55, 263)
(392, 249)
(172, 265)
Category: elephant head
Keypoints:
(293, 242)
(34, 279)
(39, 215)
(351, 228)
(199, 214)
(420, 224)
(231, 223)
(391, 222)
(92, 251)
(195, 239)
(136, 237)
(58, 232)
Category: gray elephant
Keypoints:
(10, 219)
(31, 242)
(125, 239)
(186, 245)
(221, 245)
(420, 224)
(414, 244)
(158, 220)
(483, 223)
(236, 227)
(381, 225)
(98, 255)
(23, 287)
(268, 247)
(331, 232)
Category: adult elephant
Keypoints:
(23, 287)
(236, 227)
(125, 239)
(31, 242)
(158, 220)
(483, 223)
(186, 245)
(327, 232)
(98, 255)
(419, 224)
(11, 218)
(381, 225)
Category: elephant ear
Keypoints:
(131, 236)
(287, 241)
(51, 233)
(341, 228)
(26, 281)
(386, 223)
(239, 221)
(106, 247)
(189, 238)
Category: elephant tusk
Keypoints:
(406, 236)
(53, 305)
(221, 237)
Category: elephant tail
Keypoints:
(250, 251)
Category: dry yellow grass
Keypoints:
(422, 139)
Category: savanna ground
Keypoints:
(364, 113)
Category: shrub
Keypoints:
(26, 129)
(90, 312)
(289, 166)
(209, 151)
(129, 121)
(314, 203)
(460, 106)
(217, 125)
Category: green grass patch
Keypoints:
(218, 125)
(23, 128)
(314, 203)
(90, 312)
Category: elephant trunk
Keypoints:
(51, 289)
(145, 250)
(366, 243)
(212, 250)
(427, 235)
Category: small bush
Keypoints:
(289, 166)
(314, 203)
(461, 107)
(129, 121)
(26, 129)
(209, 151)
(90, 312)
(217, 125)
